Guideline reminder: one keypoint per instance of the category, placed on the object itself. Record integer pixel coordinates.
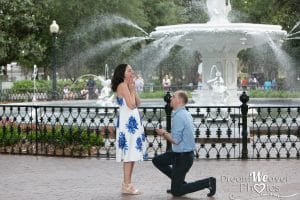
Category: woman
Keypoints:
(130, 135)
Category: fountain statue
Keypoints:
(105, 99)
(218, 42)
(217, 11)
(216, 84)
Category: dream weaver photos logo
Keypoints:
(260, 184)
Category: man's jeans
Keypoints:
(176, 166)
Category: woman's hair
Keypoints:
(118, 76)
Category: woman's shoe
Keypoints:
(129, 189)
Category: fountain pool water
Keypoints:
(218, 43)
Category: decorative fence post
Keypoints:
(244, 98)
(36, 125)
(168, 110)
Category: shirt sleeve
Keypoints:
(177, 128)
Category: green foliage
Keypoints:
(9, 135)
(28, 85)
(58, 136)
(164, 12)
(150, 95)
(21, 36)
(46, 86)
(273, 94)
(285, 13)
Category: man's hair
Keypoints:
(183, 95)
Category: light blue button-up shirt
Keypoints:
(182, 131)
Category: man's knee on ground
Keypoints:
(154, 161)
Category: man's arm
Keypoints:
(165, 134)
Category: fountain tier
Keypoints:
(219, 45)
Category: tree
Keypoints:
(161, 13)
(22, 32)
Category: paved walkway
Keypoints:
(51, 178)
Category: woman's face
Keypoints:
(129, 74)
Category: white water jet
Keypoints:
(296, 26)
(102, 47)
(153, 54)
(285, 61)
(218, 11)
(102, 23)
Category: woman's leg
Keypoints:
(128, 169)
(127, 187)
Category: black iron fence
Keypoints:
(222, 132)
(274, 132)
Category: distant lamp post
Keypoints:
(1, 77)
(54, 28)
(34, 74)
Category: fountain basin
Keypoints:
(225, 35)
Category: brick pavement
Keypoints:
(51, 178)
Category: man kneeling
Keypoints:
(176, 163)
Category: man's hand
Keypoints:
(160, 131)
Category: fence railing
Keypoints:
(239, 132)
(274, 132)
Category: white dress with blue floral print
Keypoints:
(130, 136)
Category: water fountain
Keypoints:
(218, 43)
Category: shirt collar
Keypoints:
(177, 110)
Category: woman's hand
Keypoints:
(131, 87)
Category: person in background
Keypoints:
(91, 86)
(244, 83)
(166, 82)
(176, 163)
(84, 93)
(255, 81)
(130, 136)
(274, 84)
(66, 93)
